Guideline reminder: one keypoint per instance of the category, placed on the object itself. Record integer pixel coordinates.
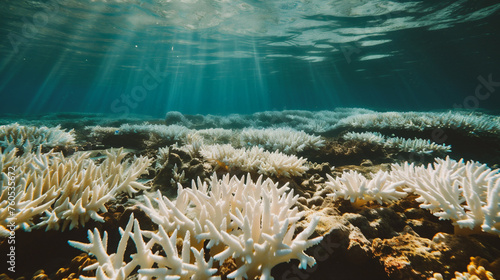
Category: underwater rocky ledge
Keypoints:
(344, 194)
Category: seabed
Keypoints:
(362, 238)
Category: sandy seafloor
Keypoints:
(396, 240)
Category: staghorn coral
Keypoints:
(171, 132)
(419, 146)
(357, 188)
(29, 137)
(457, 120)
(368, 136)
(254, 159)
(250, 222)
(287, 140)
(63, 191)
(170, 266)
(215, 135)
(466, 193)
(278, 164)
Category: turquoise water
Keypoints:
(219, 57)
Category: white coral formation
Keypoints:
(287, 140)
(250, 222)
(309, 121)
(254, 159)
(169, 266)
(466, 193)
(98, 131)
(417, 145)
(457, 120)
(170, 132)
(31, 136)
(354, 186)
(368, 136)
(63, 191)
(279, 164)
(215, 135)
(342, 118)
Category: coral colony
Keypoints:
(249, 214)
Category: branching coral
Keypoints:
(251, 222)
(466, 193)
(287, 140)
(254, 160)
(357, 188)
(30, 137)
(472, 123)
(276, 163)
(419, 146)
(64, 191)
(170, 266)
(348, 118)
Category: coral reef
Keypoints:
(287, 140)
(274, 205)
(254, 159)
(252, 223)
(30, 137)
(63, 192)
(458, 120)
(355, 187)
(418, 146)
(466, 193)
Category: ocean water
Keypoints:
(127, 57)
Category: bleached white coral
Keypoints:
(31, 136)
(108, 266)
(354, 186)
(472, 123)
(168, 266)
(251, 222)
(491, 209)
(279, 164)
(254, 159)
(309, 121)
(417, 145)
(216, 135)
(170, 132)
(178, 177)
(64, 191)
(287, 140)
(98, 131)
(368, 136)
(466, 193)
